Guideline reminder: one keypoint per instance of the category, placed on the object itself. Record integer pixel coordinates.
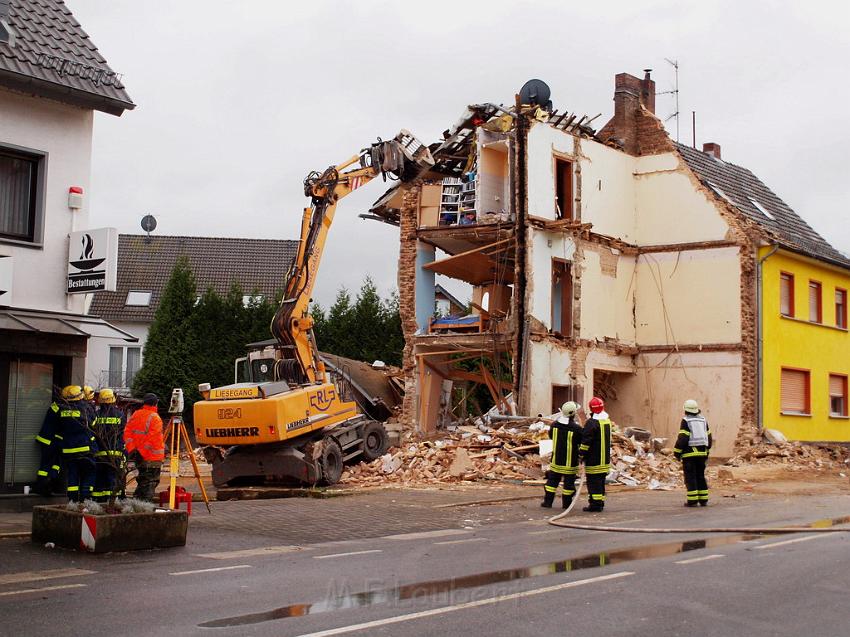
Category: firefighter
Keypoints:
(90, 402)
(78, 443)
(566, 436)
(692, 447)
(50, 443)
(145, 446)
(109, 432)
(595, 452)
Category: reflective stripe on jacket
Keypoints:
(109, 431)
(50, 426)
(565, 441)
(76, 437)
(683, 447)
(595, 446)
(143, 433)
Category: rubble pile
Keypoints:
(514, 452)
(795, 456)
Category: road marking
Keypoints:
(41, 590)
(794, 541)
(211, 570)
(425, 534)
(325, 557)
(465, 541)
(480, 602)
(263, 550)
(700, 559)
(35, 576)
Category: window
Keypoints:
(116, 366)
(815, 313)
(841, 308)
(563, 188)
(786, 294)
(134, 362)
(138, 297)
(21, 176)
(761, 209)
(123, 368)
(837, 395)
(251, 299)
(562, 297)
(794, 392)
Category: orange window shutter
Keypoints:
(814, 302)
(785, 295)
(836, 385)
(794, 391)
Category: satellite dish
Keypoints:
(536, 92)
(148, 223)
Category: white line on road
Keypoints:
(464, 541)
(794, 541)
(263, 550)
(211, 570)
(480, 602)
(35, 576)
(325, 557)
(693, 560)
(425, 534)
(41, 590)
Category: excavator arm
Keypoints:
(404, 158)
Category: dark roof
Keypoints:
(741, 187)
(218, 263)
(49, 54)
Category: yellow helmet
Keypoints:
(106, 396)
(72, 393)
(88, 392)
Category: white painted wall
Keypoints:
(550, 365)
(540, 255)
(689, 297)
(65, 133)
(670, 208)
(607, 302)
(608, 191)
(97, 359)
(543, 142)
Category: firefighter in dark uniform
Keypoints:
(50, 442)
(691, 448)
(78, 443)
(566, 437)
(109, 432)
(595, 452)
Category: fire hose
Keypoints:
(556, 521)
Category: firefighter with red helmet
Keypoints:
(595, 452)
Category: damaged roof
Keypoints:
(46, 52)
(760, 204)
(145, 266)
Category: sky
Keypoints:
(238, 101)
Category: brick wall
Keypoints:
(408, 219)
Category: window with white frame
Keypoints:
(141, 298)
(252, 299)
(21, 184)
(124, 363)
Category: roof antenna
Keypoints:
(148, 225)
(674, 92)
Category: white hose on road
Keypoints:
(566, 512)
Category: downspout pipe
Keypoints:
(760, 338)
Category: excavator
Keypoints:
(290, 422)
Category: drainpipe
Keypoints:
(760, 338)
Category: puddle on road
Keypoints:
(448, 586)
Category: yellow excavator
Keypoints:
(290, 422)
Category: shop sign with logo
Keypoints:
(93, 261)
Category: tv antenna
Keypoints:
(148, 225)
(674, 92)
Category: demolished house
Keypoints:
(611, 262)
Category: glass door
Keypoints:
(30, 390)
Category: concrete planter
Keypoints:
(112, 532)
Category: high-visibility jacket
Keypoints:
(595, 448)
(566, 437)
(694, 439)
(49, 426)
(77, 438)
(143, 433)
(109, 430)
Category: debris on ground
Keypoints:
(795, 456)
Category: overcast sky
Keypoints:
(238, 101)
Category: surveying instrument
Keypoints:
(177, 433)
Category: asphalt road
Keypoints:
(516, 577)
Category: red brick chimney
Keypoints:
(710, 148)
(630, 93)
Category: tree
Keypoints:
(393, 334)
(368, 324)
(168, 353)
(339, 327)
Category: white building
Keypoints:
(50, 87)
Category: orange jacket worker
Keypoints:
(145, 446)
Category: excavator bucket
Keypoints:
(403, 156)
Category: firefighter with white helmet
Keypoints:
(692, 447)
(565, 434)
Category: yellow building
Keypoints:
(805, 346)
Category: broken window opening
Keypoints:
(563, 189)
(562, 297)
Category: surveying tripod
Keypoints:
(176, 434)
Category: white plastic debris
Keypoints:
(544, 447)
(629, 459)
(389, 464)
(538, 426)
(655, 485)
(484, 438)
(379, 364)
